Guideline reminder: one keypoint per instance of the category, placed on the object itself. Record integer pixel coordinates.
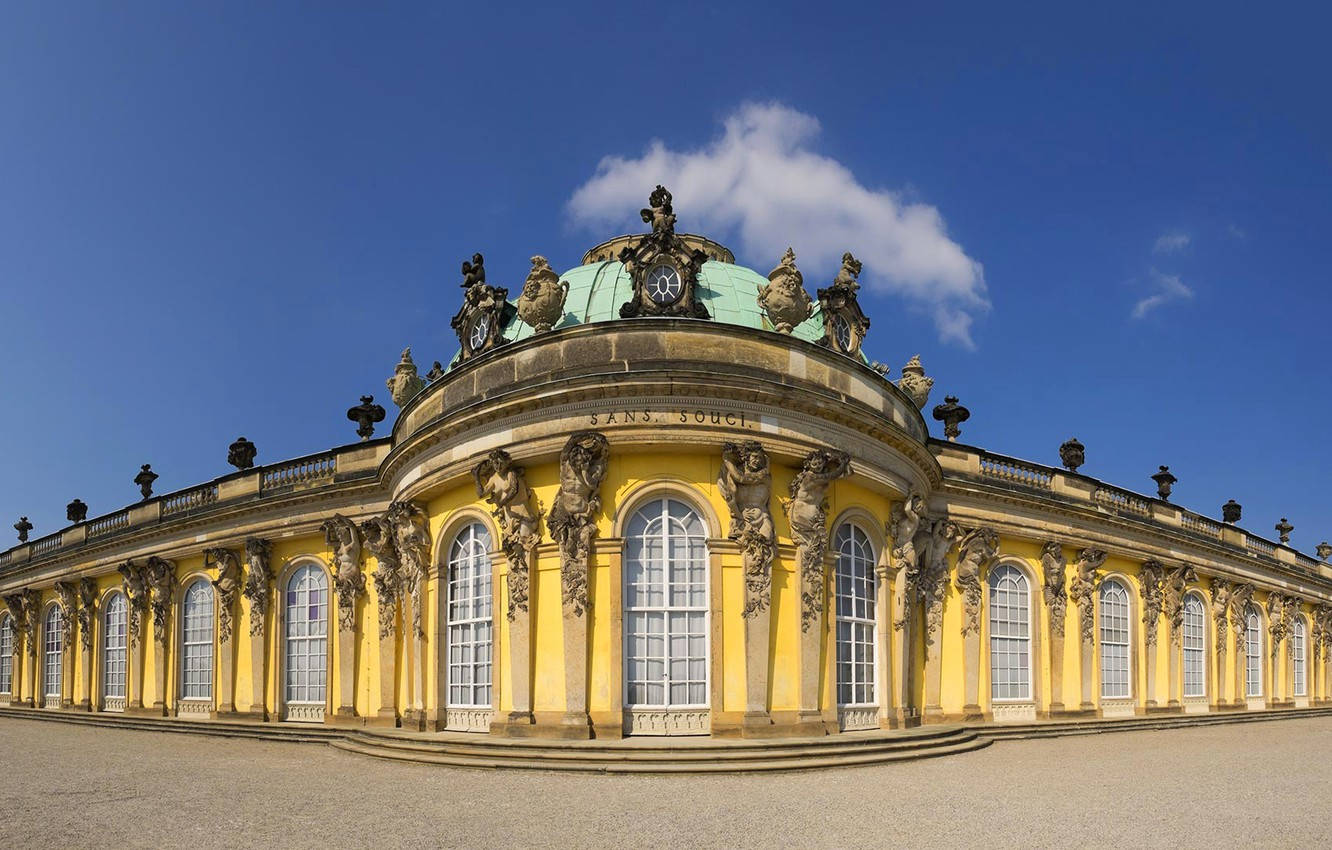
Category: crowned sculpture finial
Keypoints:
(405, 382)
(784, 299)
(659, 213)
(915, 383)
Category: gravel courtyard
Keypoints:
(1260, 784)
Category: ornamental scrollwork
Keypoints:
(1054, 569)
(1082, 590)
(1150, 583)
(411, 538)
(161, 577)
(344, 540)
(227, 584)
(1176, 584)
(745, 483)
(976, 551)
(572, 518)
(807, 511)
(378, 534)
(258, 551)
(135, 586)
(67, 598)
(87, 611)
(516, 509)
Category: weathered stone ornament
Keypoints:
(257, 578)
(1054, 570)
(1240, 595)
(135, 586)
(1150, 583)
(365, 415)
(87, 610)
(844, 323)
(32, 606)
(1082, 590)
(976, 551)
(1324, 550)
(145, 480)
(663, 268)
(541, 304)
(76, 511)
(377, 532)
(240, 454)
(572, 519)
(1072, 454)
(1164, 481)
(160, 574)
(1176, 582)
(436, 372)
(933, 584)
(1283, 529)
(951, 414)
(485, 311)
(228, 585)
(23, 527)
(344, 539)
(1230, 511)
(807, 511)
(411, 538)
(66, 597)
(405, 383)
(784, 299)
(503, 484)
(915, 383)
(745, 483)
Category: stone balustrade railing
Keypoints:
(315, 468)
(1122, 501)
(109, 524)
(1016, 471)
(1201, 525)
(188, 500)
(1258, 544)
(46, 544)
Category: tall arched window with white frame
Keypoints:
(306, 642)
(665, 609)
(471, 624)
(1195, 646)
(115, 623)
(6, 654)
(196, 655)
(54, 655)
(1253, 653)
(1114, 633)
(1010, 634)
(1299, 673)
(855, 592)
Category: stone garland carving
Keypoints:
(1176, 583)
(136, 596)
(976, 551)
(228, 584)
(87, 610)
(784, 298)
(405, 382)
(904, 526)
(1151, 581)
(411, 538)
(664, 269)
(161, 577)
(541, 304)
(745, 483)
(844, 323)
(344, 539)
(378, 534)
(67, 599)
(1082, 589)
(485, 311)
(257, 577)
(1054, 569)
(572, 518)
(504, 485)
(807, 510)
(1222, 591)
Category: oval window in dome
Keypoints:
(664, 285)
(842, 330)
(477, 337)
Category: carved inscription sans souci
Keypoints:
(678, 416)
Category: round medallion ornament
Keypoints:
(477, 337)
(663, 285)
(842, 330)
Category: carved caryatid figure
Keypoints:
(1278, 619)
(161, 577)
(1054, 571)
(344, 539)
(933, 584)
(503, 484)
(844, 323)
(1240, 597)
(257, 577)
(745, 483)
(411, 538)
(572, 518)
(1221, 593)
(663, 267)
(784, 299)
(405, 382)
(541, 303)
(915, 383)
(1322, 629)
(228, 584)
(1150, 582)
(136, 595)
(1176, 583)
(67, 597)
(17, 612)
(903, 524)
(976, 550)
(1082, 589)
(807, 510)
(379, 536)
(87, 610)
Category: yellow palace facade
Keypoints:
(659, 494)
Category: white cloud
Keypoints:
(1237, 232)
(1171, 243)
(761, 182)
(1169, 288)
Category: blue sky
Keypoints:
(219, 220)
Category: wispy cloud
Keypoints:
(1169, 288)
(763, 182)
(1236, 232)
(1171, 243)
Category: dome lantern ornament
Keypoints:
(1072, 454)
(844, 323)
(1230, 512)
(951, 414)
(1164, 481)
(663, 267)
(784, 298)
(485, 311)
(1283, 530)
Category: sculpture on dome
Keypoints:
(411, 538)
(257, 577)
(844, 323)
(228, 584)
(503, 484)
(572, 518)
(541, 303)
(405, 382)
(485, 311)
(807, 511)
(377, 532)
(1054, 570)
(977, 550)
(784, 299)
(344, 539)
(915, 383)
(663, 267)
(745, 484)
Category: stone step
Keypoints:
(1096, 726)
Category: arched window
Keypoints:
(666, 607)
(1114, 641)
(306, 638)
(196, 657)
(471, 630)
(1297, 656)
(1195, 646)
(115, 619)
(6, 654)
(1010, 634)
(54, 658)
(1253, 653)
(855, 592)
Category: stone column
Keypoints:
(883, 617)
(1151, 580)
(1241, 697)
(86, 657)
(226, 674)
(17, 684)
(1082, 589)
(1054, 580)
(421, 665)
(758, 630)
(933, 671)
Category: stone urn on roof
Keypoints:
(784, 299)
(915, 383)
(541, 304)
(405, 383)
